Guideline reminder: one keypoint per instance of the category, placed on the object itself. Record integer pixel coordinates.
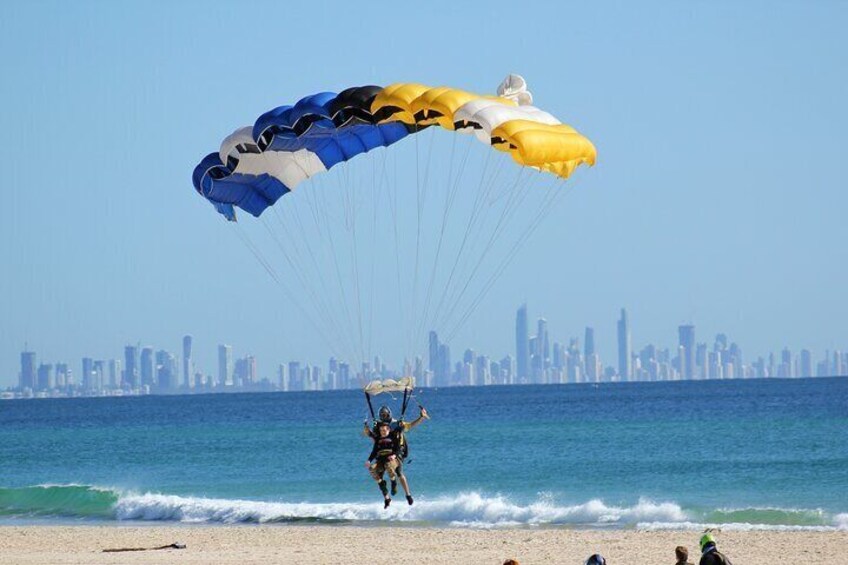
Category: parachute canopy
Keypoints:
(257, 165)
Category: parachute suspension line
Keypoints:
(413, 337)
(380, 187)
(245, 239)
(471, 226)
(376, 185)
(550, 202)
(355, 256)
(482, 190)
(450, 195)
(512, 205)
(327, 234)
(317, 292)
(418, 204)
(465, 236)
(348, 192)
(391, 193)
(298, 264)
(345, 188)
(517, 193)
(322, 216)
(316, 303)
(452, 185)
(315, 197)
(544, 210)
(312, 256)
(427, 165)
(256, 254)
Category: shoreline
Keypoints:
(62, 522)
(347, 543)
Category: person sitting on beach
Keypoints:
(384, 458)
(709, 554)
(398, 429)
(596, 559)
(682, 554)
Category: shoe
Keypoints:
(409, 499)
(394, 488)
(386, 503)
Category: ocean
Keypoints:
(740, 454)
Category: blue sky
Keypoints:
(718, 197)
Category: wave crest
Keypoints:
(469, 509)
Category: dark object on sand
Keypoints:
(169, 546)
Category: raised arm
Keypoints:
(421, 417)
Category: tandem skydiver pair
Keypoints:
(389, 451)
(390, 448)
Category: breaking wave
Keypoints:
(469, 509)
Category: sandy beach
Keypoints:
(353, 544)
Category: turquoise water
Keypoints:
(742, 454)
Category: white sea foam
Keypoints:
(467, 509)
(732, 526)
(840, 521)
(470, 509)
(758, 518)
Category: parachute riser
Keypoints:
(370, 407)
(406, 396)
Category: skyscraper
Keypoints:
(444, 365)
(625, 371)
(507, 370)
(686, 334)
(786, 369)
(282, 377)
(295, 379)
(167, 371)
(701, 361)
(114, 372)
(250, 365)
(433, 357)
(45, 377)
(522, 345)
(87, 373)
(148, 367)
(99, 374)
(225, 365)
(543, 344)
(63, 375)
(240, 372)
(589, 343)
(130, 367)
(345, 377)
(28, 370)
(188, 370)
(806, 363)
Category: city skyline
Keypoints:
(535, 359)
